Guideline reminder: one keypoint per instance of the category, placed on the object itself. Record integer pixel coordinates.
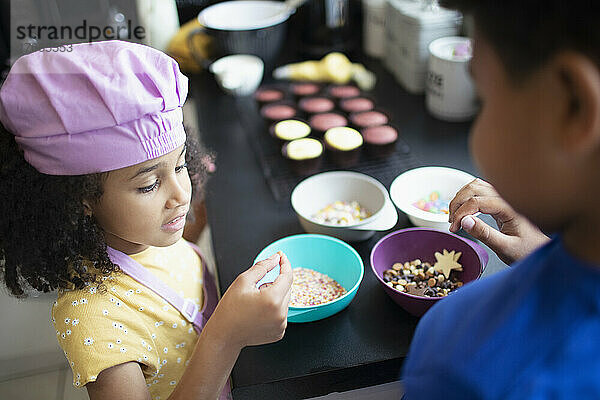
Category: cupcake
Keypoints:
(356, 104)
(366, 119)
(289, 129)
(343, 91)
(380, 141)
(344, 145)
(316, 104)
(302, 89)
(268, 94)
(278, 111)
(304, 155)
(324, 121)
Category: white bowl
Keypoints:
(418, 183)
(317, 191)
(239, 74)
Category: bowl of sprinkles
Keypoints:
(348, 205)
(420, 266)
(424, 194)
(327, 273)
(312, 288)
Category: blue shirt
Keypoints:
(528, 332)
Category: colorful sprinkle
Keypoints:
(311, 288)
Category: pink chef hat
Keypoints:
(99, 107)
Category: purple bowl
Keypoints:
(412, 243)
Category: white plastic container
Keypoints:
(160, 20)
(417, 27)
(374, 27)
(450, 93)
(393, 10)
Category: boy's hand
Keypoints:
(248, 316)
(516, 238)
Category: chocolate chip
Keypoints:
(418, 276)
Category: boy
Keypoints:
(532, 331)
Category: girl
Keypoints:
(96, 176)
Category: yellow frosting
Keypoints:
(291, 129)
(343, 138)
(304, 149)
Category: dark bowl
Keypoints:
(264, 37)
(412, 243)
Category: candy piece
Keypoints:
(462, 50)
(414, 290)
(341, 213)
(447, 262)
(433, 204)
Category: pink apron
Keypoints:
(186, 307)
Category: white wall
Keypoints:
(27, 338)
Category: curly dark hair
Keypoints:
(46, 239)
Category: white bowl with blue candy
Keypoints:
(419, 183)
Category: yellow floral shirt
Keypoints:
(129, 322)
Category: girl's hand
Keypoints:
(248, 316)
(516, 238)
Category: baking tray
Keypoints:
(282, 180)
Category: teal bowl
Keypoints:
(326, 255)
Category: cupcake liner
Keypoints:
(306, 166)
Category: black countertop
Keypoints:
(363, 345)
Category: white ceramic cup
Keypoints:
(450, 93)
(238, 74)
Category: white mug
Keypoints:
(450, 93)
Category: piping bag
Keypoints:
(334, 67)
